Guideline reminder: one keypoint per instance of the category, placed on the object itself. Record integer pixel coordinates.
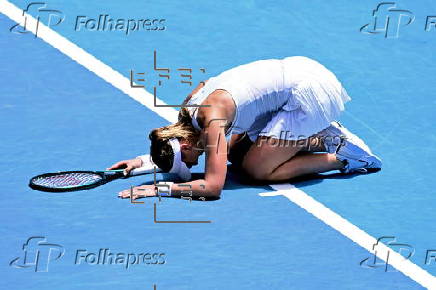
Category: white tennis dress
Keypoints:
(291, 98)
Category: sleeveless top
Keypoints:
(262, 87)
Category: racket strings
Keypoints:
(74, 179)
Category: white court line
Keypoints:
(87, 60)
(295, 195)
(352, 232)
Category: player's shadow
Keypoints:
(237, 179)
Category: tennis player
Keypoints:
(274, 119)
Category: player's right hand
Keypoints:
(127, 165)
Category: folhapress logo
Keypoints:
(54, 17)
(387, 20)
(101, 23)
(37, 254)
(403, 249)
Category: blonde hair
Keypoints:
(160, 150)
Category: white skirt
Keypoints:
(316, 100)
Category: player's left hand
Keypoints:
(138, 192)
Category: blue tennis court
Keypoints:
(66, 104)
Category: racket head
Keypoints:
(69, 180)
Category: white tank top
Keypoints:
(258, 89)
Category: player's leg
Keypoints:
(277, 160)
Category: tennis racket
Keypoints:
(80, 180)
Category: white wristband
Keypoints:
(164, 188)
(143, 158)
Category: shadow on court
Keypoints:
(236, 179)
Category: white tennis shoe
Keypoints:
(349, 149)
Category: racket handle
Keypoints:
(147, 166)
(143, 170)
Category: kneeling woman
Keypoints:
(279, 117)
